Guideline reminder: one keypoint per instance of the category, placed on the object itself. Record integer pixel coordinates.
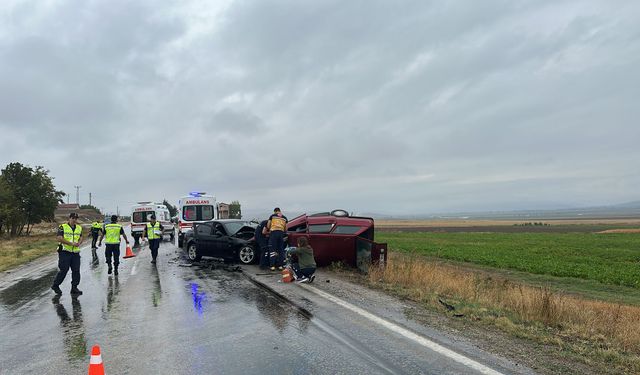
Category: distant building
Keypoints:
(62, 212)
(223, 210)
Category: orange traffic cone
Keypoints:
(95, 363)
(129, 253)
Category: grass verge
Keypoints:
(606, 258)
(14, 252)
(602, 334)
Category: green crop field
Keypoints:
(606, 258)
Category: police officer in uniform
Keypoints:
(96, 230)
(112, 232)
(69, 238)
(153, 233)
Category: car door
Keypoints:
(205, 240)
(327, 247)
(221, 242)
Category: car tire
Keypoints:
(247, 254)
(192, 252)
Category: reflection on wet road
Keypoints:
(188, 320)
(166, 319)
(74, 339)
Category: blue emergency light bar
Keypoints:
(197, 193)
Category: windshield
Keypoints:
(197, 213)
(141, 216)
(234, 226)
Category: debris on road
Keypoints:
(448, 306)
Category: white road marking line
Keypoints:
(408, 334)
(134, 269)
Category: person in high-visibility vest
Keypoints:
(96, 229)
(153, 233)
(276, 226)
(69, 239)
(112, 232)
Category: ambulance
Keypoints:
(140, 216)
(197, 207)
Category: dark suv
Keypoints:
(337, 237)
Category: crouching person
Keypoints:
(305, 268)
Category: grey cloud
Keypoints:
(414, 106)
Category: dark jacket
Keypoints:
(261, 239)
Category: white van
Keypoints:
(197, 207)
(140, 214)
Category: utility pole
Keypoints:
(89, 199)
(78, 194)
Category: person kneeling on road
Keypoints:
(304, 270)
(153, 233)
(112, 232)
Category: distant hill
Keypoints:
(631, 205)
(618, 211)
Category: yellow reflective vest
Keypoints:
(153, 231)
(112, 233)
(71, 235)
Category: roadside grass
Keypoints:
(20, 250)
(603, 334)
(612, 259)
(14, 252)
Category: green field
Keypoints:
(612, 259)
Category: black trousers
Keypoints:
(66, 260)
(94, 239)
(263, 252)
(300, 272)
(112, 249)
(154, 245)
(276, 243)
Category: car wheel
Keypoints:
(192, 252)
(247, 254)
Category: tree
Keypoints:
(8, 205)
(35, 196)
(173, 211)
(234, 210)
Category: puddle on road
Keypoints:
(25, 290)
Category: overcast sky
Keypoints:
(396, 107)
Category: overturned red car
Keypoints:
(337, 237)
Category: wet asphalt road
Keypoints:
(169, 319)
